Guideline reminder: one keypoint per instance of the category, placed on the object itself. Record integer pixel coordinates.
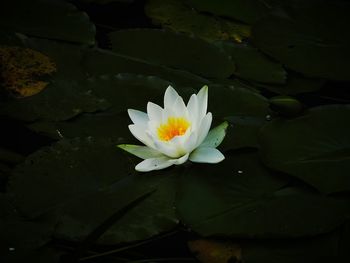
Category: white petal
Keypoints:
(206, 155)
(202, 97)
(143, 152)
(191, 142)
(215, 136)
(204, 128)
(192, 108)
(182, 159)
(140, 134)
(138, 117)
(154, 164)
(167, 149)
(179, 107)
(154, 111)
(170, 97)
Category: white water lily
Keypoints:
(176, 133)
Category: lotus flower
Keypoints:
(176, 133)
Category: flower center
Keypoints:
(173, 127)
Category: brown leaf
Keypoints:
(212, 251)
(21, 70)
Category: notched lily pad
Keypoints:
(173, 50)
(71, 179)
(313, 147)
(239, 198)
(122, 91)
(248, 11)
(312, 40)
(245, 111)
(253, 65)
(100, 62)
(152, 216)
(61, 100)
(55, 175)
(61, 20)
(178, 16)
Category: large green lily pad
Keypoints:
(173, 50)
(152, 216)
(310, 40)
(100, 62)
(64, 97)
(55, 175)
(178, 16)
(252, 64)
(247, 11)
(61, 100)
(122, 91)
(295, 84)
(52, 19)
(313, 147)
(245, 110)
(71, 179)
(240, 198)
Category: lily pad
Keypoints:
(61, 100)
(52, 19)
(253, 65)
(18, 235)
(112, 124)
(99, 125)
(154, 215)
(72, 178)
(64, 97)
(23, 70)
(55, 175)
(240, 198)
(100, 62)
(295, 84)
(173, 50)
(313, 147)
(318, 249)
(244, 109)
(248, 11)
(178, 16)
(311, 40)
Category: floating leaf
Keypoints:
(286, 105)
(173, 50)
(210, 251)
(101, 125)
(22, 70)
(313, 147)
(178, 16)
(253, 65)
(100, 62)
(152, 216)
(73, 178)
(61, 100)
(240, 198)
(113, 123)
(55, 175)
(64, 97)
(310, 40)
(295, 84)
(18, 235)
(248, 11)
(245, 111)
(51, 19)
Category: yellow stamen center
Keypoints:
(173, 127)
